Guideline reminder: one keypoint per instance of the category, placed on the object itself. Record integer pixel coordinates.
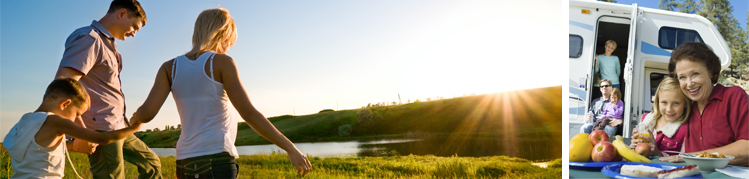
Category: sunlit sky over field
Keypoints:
(299, 57)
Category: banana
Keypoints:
(628, 153)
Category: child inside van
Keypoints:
(671, 110)
(612, 114)
(37, 142)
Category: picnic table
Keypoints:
(596, 173)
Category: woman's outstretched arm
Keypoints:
(229, 76)
(157, 96)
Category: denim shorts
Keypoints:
(220, 165)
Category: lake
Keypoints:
(533, 150)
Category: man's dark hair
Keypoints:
(698, 53)
(67, 88)
(132, 6)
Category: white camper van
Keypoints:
(645, 39)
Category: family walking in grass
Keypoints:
(85, 105)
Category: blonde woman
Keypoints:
(608, 64)
(203, 82)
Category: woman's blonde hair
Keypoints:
(215, 31)
(612, 42)
(666, 85)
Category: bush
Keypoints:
(345, 130)
(326, 110)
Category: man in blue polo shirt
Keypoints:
(91, 57)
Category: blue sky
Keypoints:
(299, 57)
(740, 7)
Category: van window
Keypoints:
(669, 37)
(576, 46)
(655, 80)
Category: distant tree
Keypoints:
(345, 130)
(171, 127)
(670, 5)
(326, 110)
(720, 13)
(148, 130)
(156, 129)
(688, 6)
(179, 126)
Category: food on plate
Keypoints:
(604, 151)
(684, 171)
(640, 171)
(643, 149)
(627, 153)
(597, 136)
(710, 155)
(580, 148)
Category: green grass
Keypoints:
(278, 166)
(531, 113)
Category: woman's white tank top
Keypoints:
(209, 121)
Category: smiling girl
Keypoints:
(669, 113)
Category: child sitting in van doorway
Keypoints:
(612, 114)
(37, 144)
(608, 65)
(671, 110)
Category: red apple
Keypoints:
(618, 157)
(643, 149)
(598, 136)
(604, 151)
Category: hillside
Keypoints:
(530, 113)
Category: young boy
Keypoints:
(37, 142)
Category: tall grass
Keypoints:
(276, 165)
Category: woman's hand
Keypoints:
(300, 162)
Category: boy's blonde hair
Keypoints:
(612, 42)
(671, 84)
(67, 88)
(215, 31)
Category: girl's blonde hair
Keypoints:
(671, 84)
(215, 31)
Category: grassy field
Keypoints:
(278, 166)
(531, 113)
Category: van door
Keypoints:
(653, 78)
(627, 117)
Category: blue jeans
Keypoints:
(588, 127)
(617, 87)
(220, 165)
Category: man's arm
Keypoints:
(67, 72)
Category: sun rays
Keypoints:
(513, 117)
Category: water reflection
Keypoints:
(472, 147)
(438, 146)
